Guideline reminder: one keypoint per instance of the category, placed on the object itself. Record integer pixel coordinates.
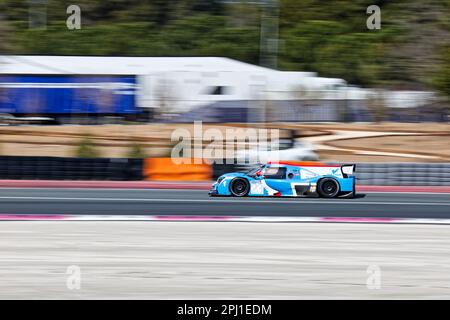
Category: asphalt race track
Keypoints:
(197, 202)
(211, 260)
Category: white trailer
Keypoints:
(181, 84)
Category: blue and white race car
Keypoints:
(289, 179)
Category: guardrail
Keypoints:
(123, 169)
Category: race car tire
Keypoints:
(328, 188)
(239, 187)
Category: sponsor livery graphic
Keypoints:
(289, 179)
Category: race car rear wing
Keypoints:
(348, 170)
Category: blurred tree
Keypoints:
(329, 37)
(6, 45)
(441, 79)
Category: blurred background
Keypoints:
(136, 70)
(94, 90)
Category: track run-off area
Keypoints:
(210, 260)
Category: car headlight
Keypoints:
(220, 180)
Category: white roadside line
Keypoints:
(293, 201)
(260, 219)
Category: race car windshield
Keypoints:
(253, 171)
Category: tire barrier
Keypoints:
(163, 169)
(56, 168)
(403, 174)
(220, 169)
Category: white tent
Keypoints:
(119, 65)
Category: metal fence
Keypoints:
(307, 111)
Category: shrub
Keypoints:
(136, 150)
(87, 149)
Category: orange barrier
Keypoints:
(163, 169)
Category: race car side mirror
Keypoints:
(259, 175)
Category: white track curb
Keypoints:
(262, 219)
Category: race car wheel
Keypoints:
(328, 188)
(239, 187)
